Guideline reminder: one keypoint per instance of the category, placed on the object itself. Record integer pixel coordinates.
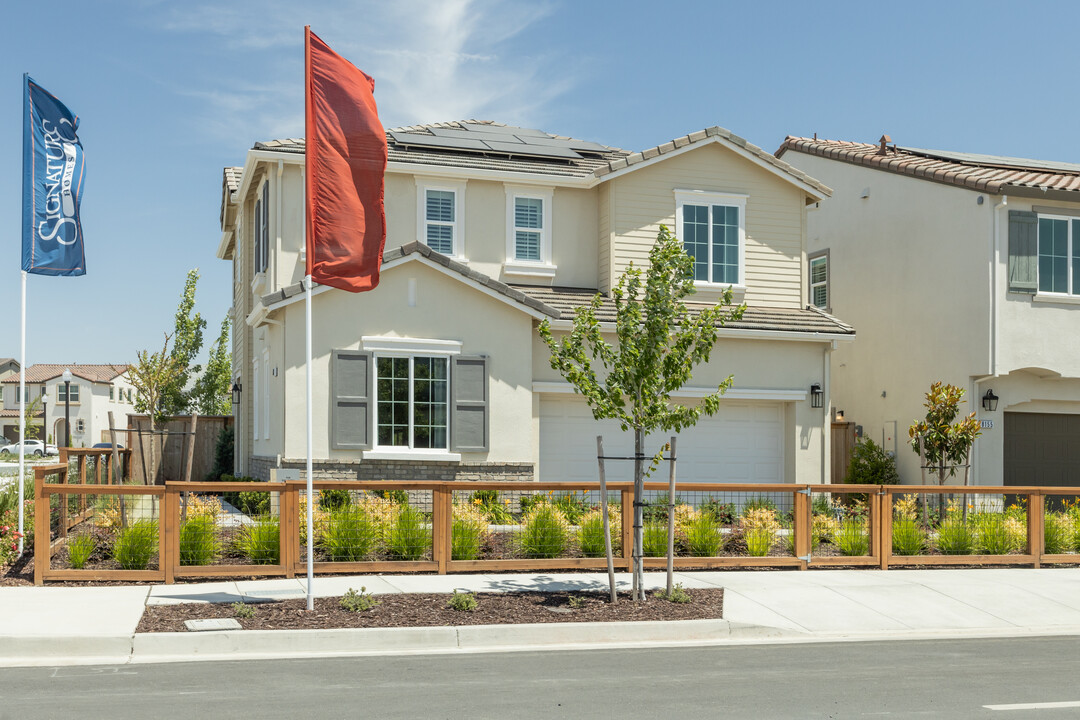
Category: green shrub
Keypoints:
(955, 537)
(487, 502)
(759, 541)
(723, 513)
(545, 532)
(853, 538)
(591, 532)
(654, 538)
(678, 594)
(409, 536)
(136, 545)
(80, 548)
(333, 499)
(907, 537)
(243, 611)
(703, 536)
(198, 540)
(572, 505)
(223, 454)
(871, 465)
(260, 541)
(349, 535)
(358, 601)
(467, 533)
(398, 497)
(656, 509)
(462, 602)
(994, 537)
(1057, 533)
(759, 502)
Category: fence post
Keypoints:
(42, 523)
(1036, 518)
(62, 531)
(442, 525)
(801, 525)
(288, 527)
(170, 530)
(885, 512)
(873, 505)
(628, 529)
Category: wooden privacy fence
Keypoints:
(259, 529)
(176, 454)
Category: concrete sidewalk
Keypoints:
(85, 625)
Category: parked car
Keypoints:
(107, 446)
(33, 447)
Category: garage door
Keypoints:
(1042, 449)
(742, 443)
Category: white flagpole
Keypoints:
(310, 494)
(22, 416)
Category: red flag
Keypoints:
(346, 160)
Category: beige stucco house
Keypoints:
(95, 391)
(954, 267)
(439, 373)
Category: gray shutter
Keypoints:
(1023, 251)
(350, 400)
(469, 404)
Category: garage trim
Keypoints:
(783, 395)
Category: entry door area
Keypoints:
(1042, 449)
(742, 443)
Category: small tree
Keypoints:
(660, 341)
(175, 399)
(942, 444)
(210, 394)
(31, 430)
(150, 376)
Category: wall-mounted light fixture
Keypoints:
(816, 396)
(236, 393)
(990, 401)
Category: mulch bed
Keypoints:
(430, 610)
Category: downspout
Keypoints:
(277, 233)
(826, 424)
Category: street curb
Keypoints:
(38, 650)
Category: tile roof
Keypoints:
(559, 303)
(983, 173)
(231, 178)
(15, 413)
(592, 165)
(42, 372)
(808, 320)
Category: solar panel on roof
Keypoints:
(1020, 163)
(570, 143)
(533, 150)
(474, 135)
(504, 130)
(445, 143)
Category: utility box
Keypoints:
(888, 437)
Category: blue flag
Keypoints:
(52, 186)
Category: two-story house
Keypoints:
(95, 390)
(955, 267)
(439, 373)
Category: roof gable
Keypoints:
(43, 372)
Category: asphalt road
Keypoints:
(941, 678)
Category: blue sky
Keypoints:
(171, 92)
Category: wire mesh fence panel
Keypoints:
(1061, 524)
(841, 524)
(506, 524)
(238, 528)
(113, 532)
(358, 525)
(956, 523)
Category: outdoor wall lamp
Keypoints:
(236, 393)
(990, 401)
(816, 395)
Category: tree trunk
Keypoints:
(639, 515)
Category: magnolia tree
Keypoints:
(659, 341)
(944, 445)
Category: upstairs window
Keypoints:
(528, 228)
(1059, 255)
(712, 227)
(440, 220)
(528, 231)
(61, 392)
(819, 280)
(262, 228)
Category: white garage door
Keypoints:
(742, 443)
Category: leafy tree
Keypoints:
(659, 342)
(871, 465)
(187, 335)
(211, 393)
(151, 375)
(942, 444)
(31, 430)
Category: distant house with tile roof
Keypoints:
(491, 229)
(957, 267)
(95, 391)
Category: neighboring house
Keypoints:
(8, 367)
(439, 373)
(954, 267)
(95, 390)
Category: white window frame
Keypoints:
(261, 232)
(255, 399)
(80, 426)
(810, 260)
(395, 347)
(1071, 279)
(710, 198)
(61, 387)
(266, 394)
(545, 267)
(458, 189)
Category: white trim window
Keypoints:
(712, 228)
(528, 231)
(61, 392)
(1059, 255)
(262, 229)
(412, 408)
(441, 217)
(819, 280)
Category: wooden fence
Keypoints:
(171, 446)
(61, 506)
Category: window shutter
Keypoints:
(1023, 252)
(469, 405)
(351, 402)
